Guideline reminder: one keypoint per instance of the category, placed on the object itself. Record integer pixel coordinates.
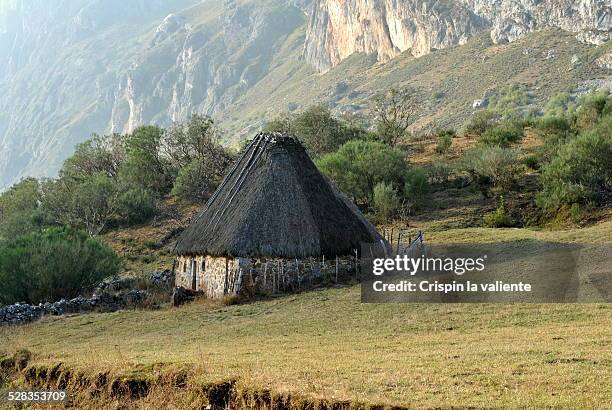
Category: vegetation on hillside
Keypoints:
(119, 180)
(53, 264)
(110, 181)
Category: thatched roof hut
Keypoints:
(275, 203)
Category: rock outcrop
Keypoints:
(339, 28)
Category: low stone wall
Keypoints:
(20, 313)
(217, 277)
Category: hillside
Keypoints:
(325, 345)
(323, 348)
(71, 68)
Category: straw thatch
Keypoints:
(275, 203)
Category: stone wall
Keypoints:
(20, 313)
(215, 276)
(219, 276)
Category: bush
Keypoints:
(439, 172)
(503, 134)
(509, 100)
(445, 140)
(53, 264)
(580, 173)
(386, 201)
(417, 189)
(592, 107)
(191, 183)
(358, 166)
(531, 161)
(136, 206)
(492, 168)
(499, 218)
(481, 121)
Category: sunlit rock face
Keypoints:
(339, 28)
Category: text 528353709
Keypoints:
(35, 396)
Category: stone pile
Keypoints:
(21, 313)
(163, 278)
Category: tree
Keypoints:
(145, 166)
(197, 159)
(317, 129)
(87, 204)
(100, 154)
(20, 209)
(395, 112)
(52, 264)
(358, 166)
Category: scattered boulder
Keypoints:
(605, 61)
(480, 103)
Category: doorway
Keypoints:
(194, 274)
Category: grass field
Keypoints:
(326, 344)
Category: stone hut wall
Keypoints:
(220, 276)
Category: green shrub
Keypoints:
(509, 101)
(531, 161)
(499, 218)
(580, 173)
(503, 134)
(191, 184)
(386, 201)
(481, 121)
(558, 105)
(492, 168)
(445, 140)
(358, 166)
(417, 189)
(592, 107)
(53, 264)
(136, 205)
(439, 172)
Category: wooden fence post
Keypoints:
(336, 268)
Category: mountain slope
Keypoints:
(72, 67)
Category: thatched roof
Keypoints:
(275, 203)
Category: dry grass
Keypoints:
(326, 344)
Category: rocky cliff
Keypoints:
(72, 67)
(339, 28)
